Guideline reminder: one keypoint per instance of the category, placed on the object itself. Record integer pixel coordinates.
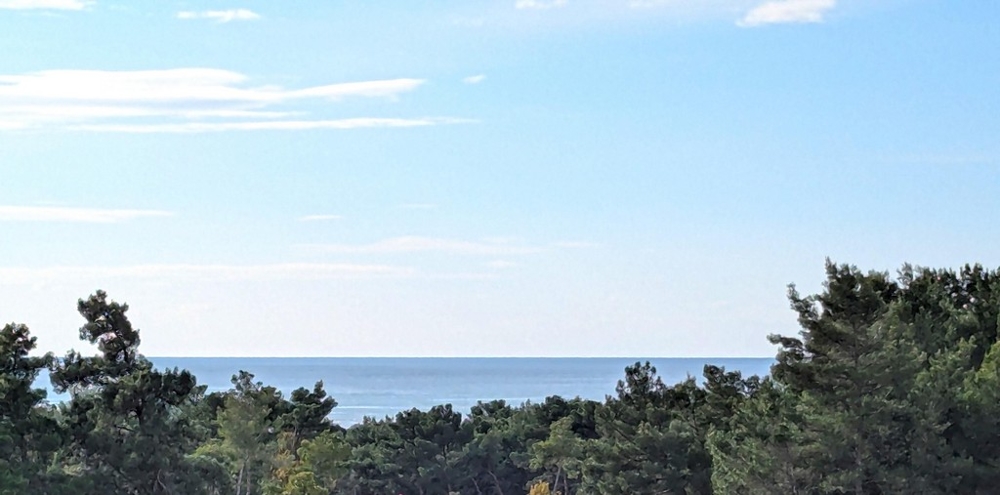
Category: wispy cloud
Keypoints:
(178, 86)
(575, 244)
(68, 214)
(476, 79)
(279, 125)
(220, 15)
(180, 100)
(787, 11)
(277, 271)
(501, 264)
(44, 4)
(418, 206)
(645, 4)
(319, 218)
(416, 244)
(539, 4)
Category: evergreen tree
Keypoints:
(29, 434)
(649, 439)
(125, 430)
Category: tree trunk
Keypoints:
(495, 481)
(859, 482)
(239, 479)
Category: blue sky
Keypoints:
(487, 178)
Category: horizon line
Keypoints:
(460, 357)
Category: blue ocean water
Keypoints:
(379, 387)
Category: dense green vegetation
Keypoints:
(892, 387)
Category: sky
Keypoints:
(483, 178)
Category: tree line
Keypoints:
(892, 386)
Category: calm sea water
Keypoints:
(380, 387)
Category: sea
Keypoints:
(380, 387)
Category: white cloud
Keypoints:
(276, 125)
(44, 4)
(645, 4)
(489, 246)
(474, 79)
(418, 206)
(175, 87)
(787, 11)
(575, 244)
(501, 264)
(221, 15)
(67, 214)
(416, 244)
(539, 4)
(177, 100)
(319, 218)
(277, 271)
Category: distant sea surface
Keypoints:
(379, 387)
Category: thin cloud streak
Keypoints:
(276, 125)
(221, 272)
(416, 244)
(501, 264)
(474, 79)
(177, 86)
(418, 206)
(575, 244)
(787, 11)
(43, 4)
(647, 4)
(77, 99)
(539, 4)
(83, 112)
(319, 218)
(221, 16)
(10, 213)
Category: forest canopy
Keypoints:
(891, 386)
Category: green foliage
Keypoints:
(29, 434)
(11, 481)
(211, 464)
(125, 433)
(319, 465)
(892, 386)
(309, 414)
(761, 449)
(247, 431)
(650, 439)
(495, 458)
(890, 389)
(560, 455)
